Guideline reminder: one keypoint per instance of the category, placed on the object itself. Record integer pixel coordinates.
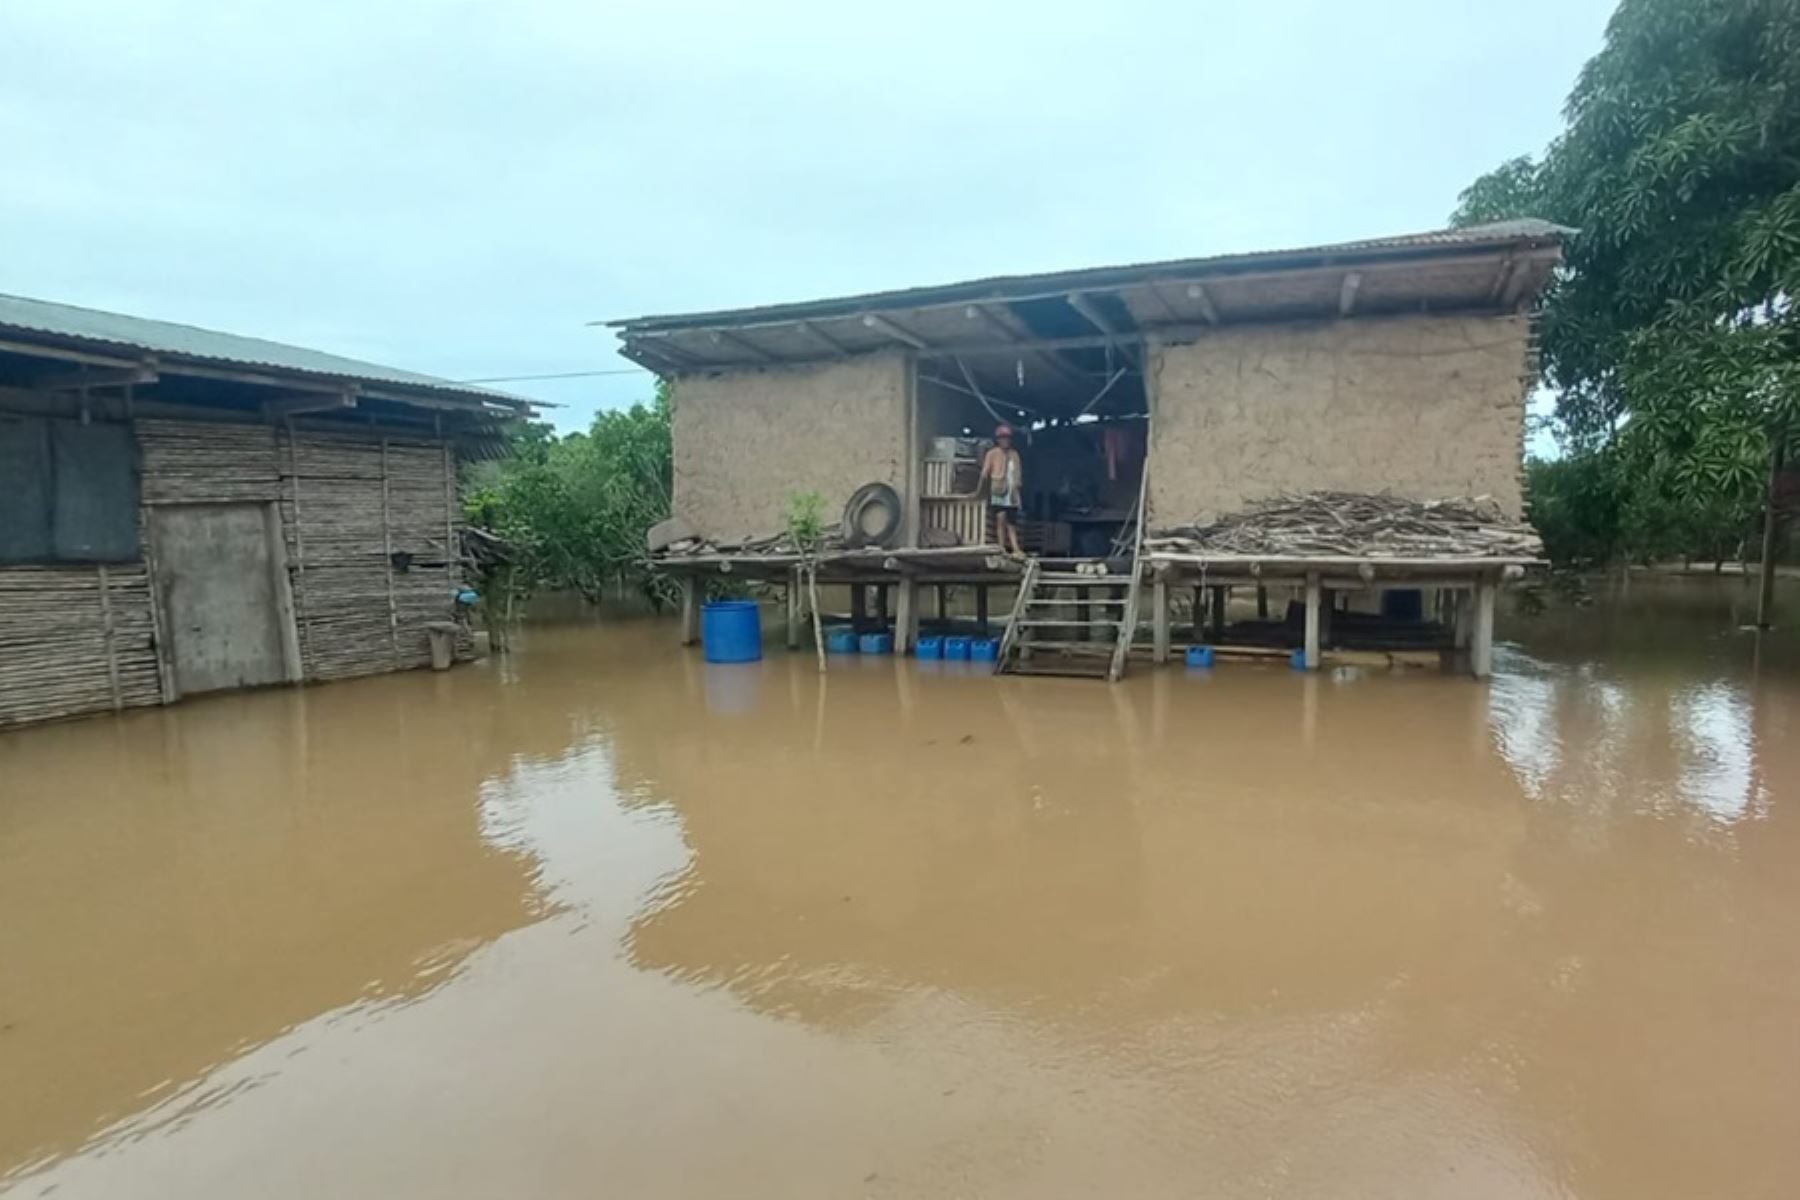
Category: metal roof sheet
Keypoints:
(1497, 235)
(167, 339)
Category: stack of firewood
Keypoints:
(1359, 525)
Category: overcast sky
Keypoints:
(458, 188)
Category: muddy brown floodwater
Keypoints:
(600, 921)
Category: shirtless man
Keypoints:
(1003, 474)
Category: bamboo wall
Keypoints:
(82, 639)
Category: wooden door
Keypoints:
(224, 609)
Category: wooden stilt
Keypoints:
(981, 607)
(690, 609)
(1199, 613)
(1221, 600)
(881, 606)
(1262, 602)
(1314, 602)
(906, 615)
(1481, 651)
(794, 584)
(1159, 619)
(859, 606)
(1462, 616)
(943, 601)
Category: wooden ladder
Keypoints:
(1041, 640)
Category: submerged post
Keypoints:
(1314, 601)
(1221, 598)
(1481, 651)
(906, 614)
(981, 607)
(793, 609)
(690, 609)
(1159, 619)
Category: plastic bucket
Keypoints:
(1297, 660)
(731, 631)
(840, 641)
(930, 648)
(984, 649)
(877, 643)
(1199, 656)
(956, 648)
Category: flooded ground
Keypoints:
(599, 921)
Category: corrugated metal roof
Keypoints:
(1501, 234)
(168, 340)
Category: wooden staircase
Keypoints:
(1067, 621)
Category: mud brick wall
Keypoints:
(1424, 407)
(745, 440)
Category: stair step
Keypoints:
(1043, 623)
(1070, 579)
(1077, 668)
(1068, 601)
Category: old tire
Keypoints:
(865, 527)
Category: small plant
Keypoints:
(806, 520)
(806, 526)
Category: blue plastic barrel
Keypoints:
(877, 643)
(731, 631)
(930, 647)
(956, 648)
(1199, 656)
(984, 649)
(1297, 660)
(840, 641)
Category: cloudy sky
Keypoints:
(459, 188)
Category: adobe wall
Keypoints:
(745, 440)
(1424, 407)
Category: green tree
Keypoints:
(576, 509)
(1671, 334)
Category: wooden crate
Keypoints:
(966, 519)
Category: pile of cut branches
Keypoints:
(1359, 525)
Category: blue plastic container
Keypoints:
(731, 631)
(956, 648)
(930, 647)
(1297, 660)
(984, 649)
(877, 643)
(840, 641)
(1199, 656)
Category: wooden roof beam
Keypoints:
(1196, 292)
(1090, 312)
(988, 317)
(878, 322)
(87, 377)
(824, 339)
(308, 402)
(1347, 292)
(724, 337)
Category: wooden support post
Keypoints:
(906, 615)
(690, 609)
(794, 585)
(881, 607)
(1765, 583)
(1159, 619)
(1481, 651)
(1221, 598)
(1199, 613)
(981, 607)
(1462, 616)
(1314, 602)
(859, 606)
(943, 601)
(1262, 602)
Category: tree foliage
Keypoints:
(1671, 335)
(576, 509)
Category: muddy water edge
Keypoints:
(598, 920)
